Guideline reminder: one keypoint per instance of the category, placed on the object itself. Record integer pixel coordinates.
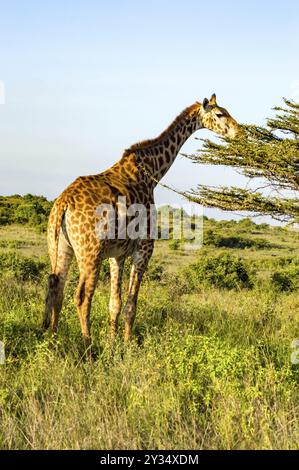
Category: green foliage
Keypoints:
(201, 365)
(20, 267)
(211, 371)
(155, 271)
(262, 226)
(16, 244)
(28, 209)
(246, 224)
(258, 152)
(220, 241)
(208, 368)
(286, 279)
(222, 271)
(105, 271)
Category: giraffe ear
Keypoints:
(212, 100)
(205, 104)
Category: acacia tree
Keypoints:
(270, 154)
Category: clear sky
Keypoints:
(86, 79)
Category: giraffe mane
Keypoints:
(145, 144)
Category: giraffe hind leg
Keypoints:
(116, 271)
(83, 298)
(56, 282)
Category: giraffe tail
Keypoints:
(53, 279)
(52, 293)
(59, 216)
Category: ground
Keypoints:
(209, 366)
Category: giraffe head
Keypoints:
(217, 119)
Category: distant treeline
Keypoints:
(30, 210)
(34, 211)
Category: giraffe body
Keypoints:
(73, 219)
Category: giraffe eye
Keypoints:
(219, 115)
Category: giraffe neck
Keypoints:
(158, 156)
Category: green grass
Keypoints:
(208, 368)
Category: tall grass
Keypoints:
(207, 369)
(209, 366)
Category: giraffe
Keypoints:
(72, 221)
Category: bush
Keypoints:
(286, 280)
(220, 241)
(30, 213)
(154, 271)
(21, 267)
(179, 284)
(247, 224)
(222, 271)
(263, 226)
(29, 209)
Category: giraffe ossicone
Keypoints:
(76, 225)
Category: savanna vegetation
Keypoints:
(29, 210)
(210, 363)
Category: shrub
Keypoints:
(179, 284)
(222, 271)
(21, 267)
(220, 241)
(286, 280)
(30, 213)
(246, 224)
(263, 226)
(154, 271)
(28, 209)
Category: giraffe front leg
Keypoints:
(140, 261)
(116, 271)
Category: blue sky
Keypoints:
(86, 79)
